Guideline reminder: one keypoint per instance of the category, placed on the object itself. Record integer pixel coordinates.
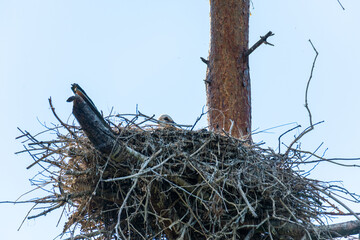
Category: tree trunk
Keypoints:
(227, 79)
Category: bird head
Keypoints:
(166, 121)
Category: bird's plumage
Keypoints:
(166, 121)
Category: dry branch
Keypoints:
(311, 127)
(145, 182)
(263, 39)
(343, 229)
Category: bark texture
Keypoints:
(227, 79)
(99, 132)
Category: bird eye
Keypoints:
(166, 119)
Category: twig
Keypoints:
(263, 39)
(62, 213)
(136, 175)
(87, 235)
(200, 148)
(198, 118)
(338, 201)
(61, 122)
(36, 160)
(250, 234)
(331, 160)
(308, 83)
(231, 126)
(252, 210)
(27, 216)
(289, 211)
(311, 127)
(16, 202)
(143, 166)
(77, 173)
(270, 128)
(341, 5)
(279, 139)
(40, 159)
(47, 210)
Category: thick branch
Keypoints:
(342, 229)
(335, 230)
(99, 132)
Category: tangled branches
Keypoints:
(180, 184)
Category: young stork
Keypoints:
(165, 121)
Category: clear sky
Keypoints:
(125, 53)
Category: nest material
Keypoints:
(180, 184)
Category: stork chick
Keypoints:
(165, 121)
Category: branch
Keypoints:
(311, 127)
(263, 39)
(331, 160)
(80, 92)
(342, 229)
(308, 83)
(204, 60)
(335, 230)
(198, 118)
(61, 122)
(341, 5)
(47, 210)
(142, 172)
(87, 235)
(279, 138)
(338, 201)
(98, 131)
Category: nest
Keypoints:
(178, 184)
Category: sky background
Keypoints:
(147, 53)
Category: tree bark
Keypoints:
(227, 78)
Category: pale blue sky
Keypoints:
(125, 53)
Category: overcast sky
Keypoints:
(147, 53)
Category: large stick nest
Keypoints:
(177, 183)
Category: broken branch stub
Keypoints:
(99, 134)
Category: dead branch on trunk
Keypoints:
(263, 39)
